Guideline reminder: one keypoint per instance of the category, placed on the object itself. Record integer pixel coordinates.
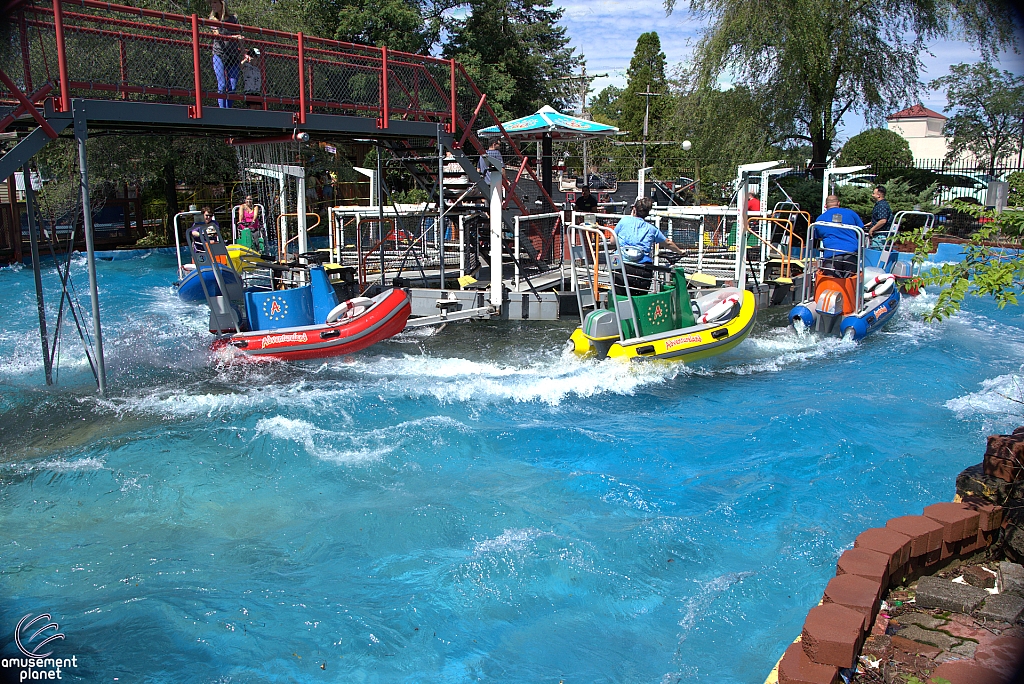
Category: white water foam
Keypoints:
(546, 381)
(59, 465)
(514, 540)
(1000, 399)
(698, 604)
(360, 447)
(319, 442)
(780, 348)
(186, 402)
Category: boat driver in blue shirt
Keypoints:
(839, 244)
(635, 239)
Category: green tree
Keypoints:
(876, 145)
(606, 106)
(397, 24)
(516, 53)
(989, 108)
(646, 114)
(816, 60)
(725, 127)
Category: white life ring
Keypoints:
(880, 285)
(719, 310)
(350, 308)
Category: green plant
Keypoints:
(984, 269)
(413, 196)
(1016, 196)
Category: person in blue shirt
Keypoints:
(635, 239)
(840, 245)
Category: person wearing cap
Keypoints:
(586, 202)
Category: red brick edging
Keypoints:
(882, 557)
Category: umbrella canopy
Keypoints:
(548, 121)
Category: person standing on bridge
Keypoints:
(226, 51)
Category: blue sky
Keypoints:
(605, 31)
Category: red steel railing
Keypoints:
(103, 50)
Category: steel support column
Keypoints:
(81, 134)
(33, 239)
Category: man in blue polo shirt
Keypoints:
(635, 237)
(839, 244)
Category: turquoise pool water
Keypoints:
(472, 505)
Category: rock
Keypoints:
(923, 619)
(1013, 539)
(978, 576)
(887, 541)
(966, 672)
(931, 637)
(965, 649)
(1002, 607)
(973, 482)
(877, 647)
(1004, 457)
(832, 635)
(1010, 578)
(925, 533)
(934, 592)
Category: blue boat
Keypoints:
(841, 296)
(190, 290)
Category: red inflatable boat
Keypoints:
(351, 326)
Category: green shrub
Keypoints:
(1016, 181)
(876, 145)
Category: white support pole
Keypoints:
(495, 211)
(300, 209)
(835, 171)
(94, 296)
(741, 233)
(372, 175)
(515, 278)
(462, 246)
(282, 239)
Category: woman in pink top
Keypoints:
(248, 215)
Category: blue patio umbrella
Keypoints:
(549, 124)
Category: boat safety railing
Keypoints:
(599, 263)
(785, 256)
(813, 262)
(282, 230)
(223, 316)
(889, 243)
(195, 215)
(794, 214)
